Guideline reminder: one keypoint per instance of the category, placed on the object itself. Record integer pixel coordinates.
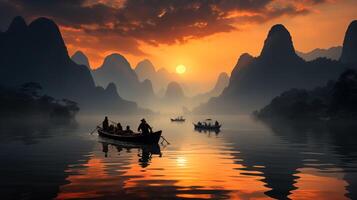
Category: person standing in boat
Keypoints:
(105, 123)
(144, 127)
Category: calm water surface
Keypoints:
(246, 160)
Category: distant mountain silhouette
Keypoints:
(80, 58)
(221, 83)
(278, 45)
(173, 100)
(159, 79)
(349, 51)
(145, 70)
(117, 69)
(37, 53)
(333, 53)
(255, 81)
(174, 92)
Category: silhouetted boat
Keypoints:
(152, 138)
(207, 127)
(178, 120)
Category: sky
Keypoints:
(207, 36)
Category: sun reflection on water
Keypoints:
(199, 166)
(181, 161)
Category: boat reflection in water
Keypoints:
(145, 151)
(209, 131)
(249, 160)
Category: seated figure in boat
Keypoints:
(199, 124)
(128, 130)
(105, 124)
(216, 123)
(111, 129)
(119, 129)
(144, 127)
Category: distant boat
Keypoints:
(207, 127)
(178, 119)
(152, 138)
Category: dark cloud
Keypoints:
(109, 43)
(73, 13)
(156, 21)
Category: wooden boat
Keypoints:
(152, 138)
(204, 127)
(178, 120)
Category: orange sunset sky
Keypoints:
(207, 36)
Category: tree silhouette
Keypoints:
(336, 100)
(31, 88)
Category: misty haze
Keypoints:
(126, 99)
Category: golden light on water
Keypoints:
(215, 171)
(181, 161)
(197, 166)
(180, 69)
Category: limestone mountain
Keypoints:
(333, 53)
(174, 92)
(159, 79)
(81, 59)
(221, 83)
(145, 70)
(278, 46)
(37, 53)
(256, 80)
(117, 69)
(349, 51)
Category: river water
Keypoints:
(246, 160)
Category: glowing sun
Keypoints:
(180, 69)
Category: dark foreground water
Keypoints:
(246, 160)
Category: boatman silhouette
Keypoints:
(144, 127)
(105, 124)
